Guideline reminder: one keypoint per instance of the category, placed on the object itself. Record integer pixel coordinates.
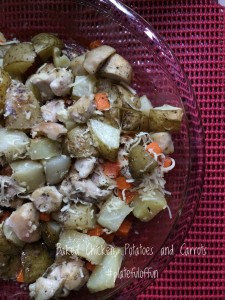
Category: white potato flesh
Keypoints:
(84, 86)
(78, 216)
(44, 148)
(117, 68)
(145, 105)
(106, 139)
(148, 205)
(13, 144)
(56, 168)
(113, 213)
(96, 57)
(10, 235)
(29, 174)
(104, 276)
(89, 247)
(77, 66)
(60, 61)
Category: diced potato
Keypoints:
(56, 168)
(29, 174)
(78, 216)
(19, 58)
(89, 247)
(140, 161)
(129, 99)
(84, 86)
(60, 61)
(44, 44)
(106, 139)
(104, 276)
(96, 57)
(13, 144)
(117, 68)
(164, 140)
(113, 212)
(165, 118)
(7, 246)
(131, 120)
(50, 233)
(77, 66)
(146, 105)
(4, 84)
(21, 112)
(148, 205)
(11, 236)
(79, 142)
(35, 260)
(44, 148)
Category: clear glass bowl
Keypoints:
(158, 75)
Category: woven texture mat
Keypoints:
(195, 30)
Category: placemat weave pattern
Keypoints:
(195, 30)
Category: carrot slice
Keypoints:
(111, 169)
(124, 229)
(95, 44)
(90, 266)
(97, 231)
(108, 237)
(44, 217)
(167, 162)
(122, 183)
(154, 147)
(129, 195)
(20, 276)
(102, 101)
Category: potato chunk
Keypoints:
(106, 139)
(44, 148)
(4, 84)
(29, 174)
(19, 58)
(165, 118)
(148, 205)
(104, 276)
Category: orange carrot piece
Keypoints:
(129, 195)
(97, 231)
(111, 169)
(108, 237)
(167, 162)
(124, 229)
(95, 44)
(102, 101)
(5, 215)
(20, 276)
(44, 217)
(90, 266)
(154, 147)
(122, 183)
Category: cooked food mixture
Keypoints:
(80, 153)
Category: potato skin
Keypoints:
(44, 44)
(165, 118)
(19, 58)
(22, 109)
(5, 81)
(79, 142)
(140, 162)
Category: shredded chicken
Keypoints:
(85, 166)
(47, 199)
(24, 222)
(51, 81)
(52, 130)
(61, 279)
(101, 180)
(9, 189)
(83, 109)
(52, 109)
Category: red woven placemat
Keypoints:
(195, 30)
